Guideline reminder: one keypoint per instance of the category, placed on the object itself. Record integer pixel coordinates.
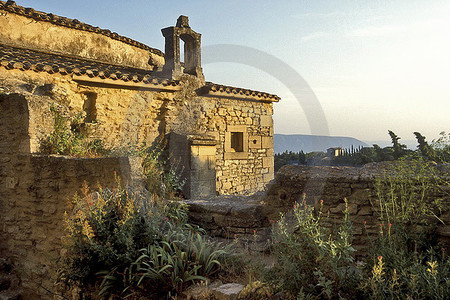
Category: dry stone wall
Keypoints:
(32, 205)
(34, 193)
(332, 185)
(125, 116)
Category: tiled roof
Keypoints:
(25, 59)
(238, 93)
(10, 6)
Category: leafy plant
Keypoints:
(410, 191)
(308, 259)
(405, 261)
(172, 264)
(441, 147)
(70, 138)
(162, 175)
(128, 241)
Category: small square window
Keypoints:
(237, 142)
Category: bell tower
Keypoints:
(173, 67)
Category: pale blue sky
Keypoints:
(373, 65)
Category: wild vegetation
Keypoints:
(314, 260)
(131, 241)
(134, 242)
(69, 137)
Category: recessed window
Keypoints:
(237, 142)
(90, 108)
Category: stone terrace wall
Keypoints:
(32, 204)
(34, 192)
(332, 185)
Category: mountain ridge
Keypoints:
(310, 143)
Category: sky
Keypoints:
(365, 66)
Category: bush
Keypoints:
(410, 192)
(69, 137)
(127, 241)
(405, 261)
(308, 259)
(162, 176)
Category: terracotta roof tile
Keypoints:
(219, 90)
(11, 6)
(26, 59)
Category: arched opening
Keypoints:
(189, 53)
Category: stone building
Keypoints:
(335, 151)
(132, 93)
(129, 93)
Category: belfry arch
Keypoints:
(173, 67)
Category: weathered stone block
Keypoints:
(267, 142)
(254, 142)
(206, 150)
(268, 177)
(266, 121)
(229, 291)
(268, 162)
(365, 211)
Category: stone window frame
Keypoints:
(229, 151)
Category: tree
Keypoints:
(426, 150)
(399, 149)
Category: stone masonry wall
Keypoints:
(214, 117)
(332, 185)
(33, 201)
(26, 32)
(127, 116)
(34, 193)
(122, 116)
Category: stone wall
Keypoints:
(34, 199)
(34, 193)
(332, 185)
(132, 116)
(249, 171)
(27, 31)
(122, 115)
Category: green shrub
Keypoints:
(394, 271)
(308, 259)
(69, 137)
(405, 261)
(180, 258)
(162, 176)
(127, 241)
(410, 192)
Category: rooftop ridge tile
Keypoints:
(214, 88)
(27, 59)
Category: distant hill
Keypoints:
(309, 143)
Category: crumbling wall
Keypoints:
(122, 116)
(34, 193)
(33, 203)
(332, 185)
